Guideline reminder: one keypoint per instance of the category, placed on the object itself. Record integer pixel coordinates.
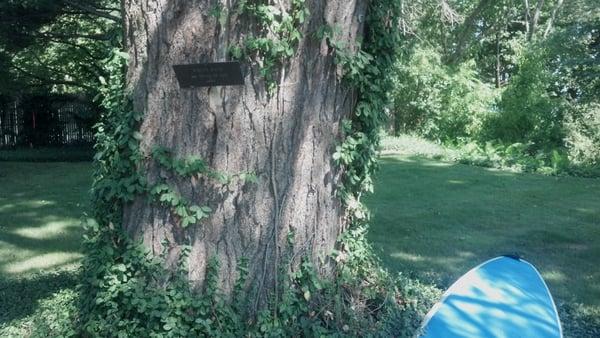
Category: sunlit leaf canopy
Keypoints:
(55, 46)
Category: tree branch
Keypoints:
(92, 10)
(52, 81)
(98, 37)
(467, 29)
(534, 21)
(552, 18)
(527, 16)
(85, 50)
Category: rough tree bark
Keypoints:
(286, 138)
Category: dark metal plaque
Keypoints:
(209, 74)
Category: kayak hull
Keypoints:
(503, 297)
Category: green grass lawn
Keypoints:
(432, 220)
(40, 234)
(48, 154)
(436, 220)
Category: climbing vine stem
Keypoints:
(366, 71)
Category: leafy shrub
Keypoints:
(44, 305)
(438, 101)
(419, 81)
(528, 112)
(135, 296)
(517, 157)
(57, 316)
(467, 104)
(583, 135)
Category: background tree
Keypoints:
(56, 46)
(535, 53)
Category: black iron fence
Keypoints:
(46, 121)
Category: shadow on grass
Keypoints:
(438, 220)
(36, 234)
(48, 154)
(20, 296)
(40, 232)
(40, 209)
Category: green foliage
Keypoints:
(119, 177)
(544, 79)
(579, 320)
(55, 46)
(129, 292)
(528, 112)
(188, 214)
(134, 296)
(366, 71)
(583, 134)
(192, 166)
(54, 316)
(472, 214)
(437, 101)
(515, 157)
(42, 305)
(282, 31)
(574, 49)
(183, 167)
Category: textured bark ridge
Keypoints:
(286, 138)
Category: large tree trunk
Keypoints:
(287, 138)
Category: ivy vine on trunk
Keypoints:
(179, 246)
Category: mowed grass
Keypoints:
(41, 205)
(436, 220)
(432, 220)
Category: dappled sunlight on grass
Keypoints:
(554, 276)
(586, 211)
(43, 245)
(436, 164)
(31, 204)
(40, 234)
(409, 159)
(56, 228)
(40, 209)
(44, 261)
(436, 222)
(407, 257)
(21, 296)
